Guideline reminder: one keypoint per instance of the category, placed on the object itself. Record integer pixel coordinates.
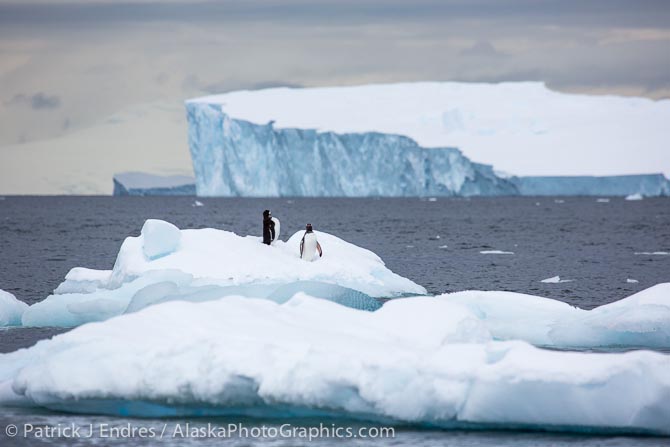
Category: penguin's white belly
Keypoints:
(309, 247)
(277, 228)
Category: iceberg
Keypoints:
(165, 264)
(143, 184)
(641, 320)
(425, 361)
(629, 186)
(11, 309)
(234, 157)
(401, 140)
(555, 280)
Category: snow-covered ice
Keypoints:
(427, 361)
(165, 263)
(205, 322)
(11, 309)
(159, 238)
(83, 280)
(640, 320)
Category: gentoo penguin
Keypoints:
(309, 245)
(269, 230)
(277, 229)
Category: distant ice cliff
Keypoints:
(143, 184)
(396, 140)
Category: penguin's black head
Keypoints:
(309, 228)
(266, 214)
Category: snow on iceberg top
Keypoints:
(519, 127)
(226, 258)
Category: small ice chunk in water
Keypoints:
(555, 280)
(432, 199)
(636, 196)
(652, 253)
(496, 252)
(160, 238)
(198, 203)
(603, 200)
(632, 281)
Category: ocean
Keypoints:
(607, 249)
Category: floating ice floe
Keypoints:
(603, 200)
(165, 264)
(636, 196)
(632, 281)
(555, 280)
(640, 320)
(425, 361)
(198, 203)
(496, 252)
(653, 253)
(11, 309)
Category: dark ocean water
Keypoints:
(589, 242)
(435, 243)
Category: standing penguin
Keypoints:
(309, 245)
(269, 234)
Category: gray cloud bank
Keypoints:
(80, 62)
(591, 13)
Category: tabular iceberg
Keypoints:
(143, 184)
(233, 157)
(425, 361)
(400, 139)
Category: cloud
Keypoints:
(192, 82)
(37, 101)
(481, 48)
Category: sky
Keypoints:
(89, 88)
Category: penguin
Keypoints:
(309, 245)
(277, 230)
(269, 234)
